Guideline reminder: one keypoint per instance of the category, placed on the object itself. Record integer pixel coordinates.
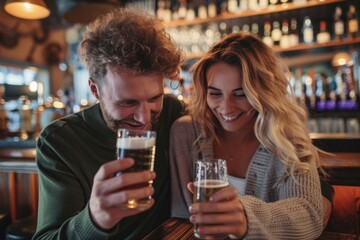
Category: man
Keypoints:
(128, 54)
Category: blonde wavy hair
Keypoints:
(280, 124)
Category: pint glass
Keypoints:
(139, 145)
(210, 176)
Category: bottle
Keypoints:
(232, 6)
(223, 29)
(263, 4)
(253, 5)
(245, 28)
(267, 34)
(160, 10)
(284, 1)
(202, 10)
(255, 28)
(339, 27)
(4, 130)
(182, 9)
(352, 22)
(25, 112)
(167, 11)
(175, 10)
(284, 40)
(276, 33)
(244, 6)
(308, 32)
(293, 33)
(273, 2)
(212, 8)
(323, 36)
(190, 13)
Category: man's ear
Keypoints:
(94, 88)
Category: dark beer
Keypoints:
(142, 150)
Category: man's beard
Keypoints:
(115, 124)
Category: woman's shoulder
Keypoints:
(184, 123)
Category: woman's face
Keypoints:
(226, 98)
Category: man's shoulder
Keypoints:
(172, 109)
(61, 124)
(170, 100)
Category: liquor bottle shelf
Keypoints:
(301, 47)
(249, 13)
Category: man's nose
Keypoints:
(143, 113)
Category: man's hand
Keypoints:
(109, 191)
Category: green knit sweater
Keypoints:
(70, 152)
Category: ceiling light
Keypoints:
(27, 9)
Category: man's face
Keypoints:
(130, 101)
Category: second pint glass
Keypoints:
(210, 176)
(139, 145)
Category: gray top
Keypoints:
(291, 210)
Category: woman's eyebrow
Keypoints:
(213, 88)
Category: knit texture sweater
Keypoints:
(290, 210)
(70, 152)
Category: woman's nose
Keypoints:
(227, 105)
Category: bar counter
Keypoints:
(182, 229)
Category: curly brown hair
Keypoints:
(131, 39)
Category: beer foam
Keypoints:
(135, 142)
(213, 183)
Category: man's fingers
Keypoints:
(118, 183)
(107, 170)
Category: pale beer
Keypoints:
(203, 190)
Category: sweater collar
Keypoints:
(95, 121)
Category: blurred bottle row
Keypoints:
(282, 32)
(25, 118)
(168, 10)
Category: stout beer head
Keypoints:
(139, 145)
(135, 142)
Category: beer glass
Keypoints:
(210, 176)
(139, 145)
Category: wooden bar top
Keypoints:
(182, 229)
(19, 160)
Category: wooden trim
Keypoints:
(13, 195)
(34, 192)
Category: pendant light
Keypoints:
(27, 9)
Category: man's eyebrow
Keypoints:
(157, 96)
(136, 100)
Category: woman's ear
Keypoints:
(94, 88)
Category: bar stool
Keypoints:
(22, 229)
(5, 221)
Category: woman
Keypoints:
(242, 112)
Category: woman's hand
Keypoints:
(224, 212)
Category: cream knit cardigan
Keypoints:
(291, 210)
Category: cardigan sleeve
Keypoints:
(182, 137)
(291, 210)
